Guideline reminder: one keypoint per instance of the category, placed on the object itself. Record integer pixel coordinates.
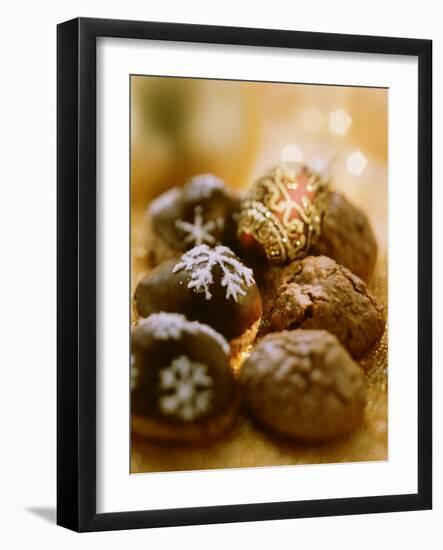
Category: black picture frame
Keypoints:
(76, 278)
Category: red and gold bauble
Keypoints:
(282, 213)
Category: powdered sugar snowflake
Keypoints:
(202, 186)
(197, 231)
(164, 326)
(171, 326)
(201, 260)
(186, 389)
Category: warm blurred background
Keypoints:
(237, 130)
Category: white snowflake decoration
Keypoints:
(171, 326)
(202, 186)
(198, 232)
(164, 326)
(186, 389)
(201, 260)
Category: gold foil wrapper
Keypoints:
(282, 213)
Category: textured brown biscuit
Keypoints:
(347, 237)
(319, 293)
(304, 384)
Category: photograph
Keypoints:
(258, 305)
(228, 219)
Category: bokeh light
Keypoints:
(356, 163)
(339, 122)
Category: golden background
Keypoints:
(237, 130)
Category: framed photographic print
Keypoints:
(244, 274)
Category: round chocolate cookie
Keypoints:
(200, 212)
(183, 389)
(210, 285)
(303, 384)
(319, 293)
(347, 237)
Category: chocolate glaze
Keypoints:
(152, 354)
(184, 203)
(164, 290)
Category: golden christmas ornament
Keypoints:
(282, 214)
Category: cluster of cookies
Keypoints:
(280, 275)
